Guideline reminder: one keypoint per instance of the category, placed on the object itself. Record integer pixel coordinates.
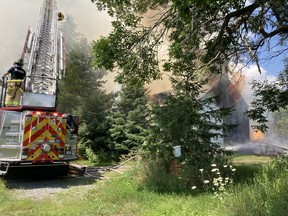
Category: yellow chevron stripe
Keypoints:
(46, 135)
(35, 155)
(31, 132)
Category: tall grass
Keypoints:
(266, 195)
(156, 176)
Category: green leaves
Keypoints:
(201, 37)
(269, 97)
(103, 54)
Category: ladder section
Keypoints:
(42, 66)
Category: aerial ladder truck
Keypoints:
(34, 137)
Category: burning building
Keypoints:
(228, 95)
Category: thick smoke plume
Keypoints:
(17, 15)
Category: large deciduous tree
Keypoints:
(198, 42)
(217, 31)
(270, 96)
(206, 34)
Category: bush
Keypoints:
(158, 175)
(91, 156)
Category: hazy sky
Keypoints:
(17, 15)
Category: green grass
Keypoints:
(88, 163)
(250, 159)
(121, 195)
(267, 195)
(118, 196)
(247, 166)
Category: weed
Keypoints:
(266, 195)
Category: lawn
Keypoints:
(120, 194)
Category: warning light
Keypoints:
(55, 114)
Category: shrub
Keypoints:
(157, 175)
(91, 156)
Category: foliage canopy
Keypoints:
(205, 35)
(216, 31)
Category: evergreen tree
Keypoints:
(82, 94)
(194, 123)
(190, 119)
(94, 127)
(129, 121)
(69, 30)
(81, 78)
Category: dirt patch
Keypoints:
(40, 189)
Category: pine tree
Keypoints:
(81, 78)
(82, 94)
(129, 121)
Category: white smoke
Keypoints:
(17, 15)
(271, 144)
(252, 73)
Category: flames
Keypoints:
(257, 135)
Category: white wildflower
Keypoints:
(194, 187)
(213, 165)
(206, 181)
(221, 188)
(201, 170)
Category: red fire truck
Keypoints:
(34, 137)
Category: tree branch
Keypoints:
(283, 29)
(247, 10)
